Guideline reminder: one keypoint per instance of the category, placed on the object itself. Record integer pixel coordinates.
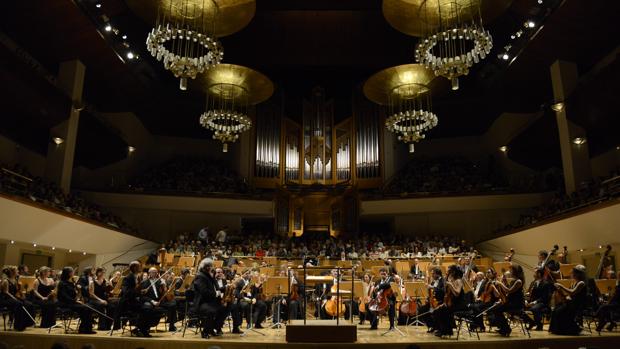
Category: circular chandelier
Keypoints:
(455, 38)
(184, 38)
(405, 91)
(226, 114)
(409, 113)
(231, 90)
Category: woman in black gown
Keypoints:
(514, 299)
(68, 298)
(564, 315)
(444, 315)
(12, 298)
(43, 296)
(99, 289)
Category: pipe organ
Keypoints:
(267, 141)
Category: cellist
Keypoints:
(453, 301)
(436, 287)
(383, 285)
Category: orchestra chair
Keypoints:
(517, 318)
(6, 312)
(66, 317)
(466, 317)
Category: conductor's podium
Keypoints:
(321, 331)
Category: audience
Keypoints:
(188, 175)
(19, 182)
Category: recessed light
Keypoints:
(108, 28)
(503, 148)
(131, 149)
(579, 140)
(540, 2)
(130, 55)
(84, 253)
(12, 242)
(530, 24)
(559, 106)
(53, 248)
(505, 56)
(34, 244)
(70, 250)
(513, 36)
(98, 5)
(58, 140)
(124, 37)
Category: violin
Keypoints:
(229, 294)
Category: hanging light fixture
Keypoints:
(230, 91)
(456, 41)
(184, 38)
(405, 91)
(452, 34)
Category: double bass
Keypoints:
(601, 264)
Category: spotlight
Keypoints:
(53, 248)
(34, 244)
(581, 250)
(130, 55)
(58, 140)
(131, 149)
(503, 148)
(530, 24)
(618, 147)
(98, 5)
(70, 250)
(124, 37)
(513, 36)
(540, 2)
(12, 242)
(108, 28)
(84, 253)
(505, 56)
(559, 106)
(579, 140)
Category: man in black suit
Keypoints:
(153, 290)
(438, 286)
(207, 298)
(384, 285)
(130, 302)
(540, 296)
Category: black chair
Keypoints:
(517, 318)
(66, 317)
(466, 317)
(6, 312)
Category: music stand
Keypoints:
(186, 261)
(398, 295)
(419, 291)
(276, 287)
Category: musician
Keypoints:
(367, 286)
(416, 270)
(12, 298)
(383, 285)
(44, 294)
(484, 296)
(605, 311)
(68, 298)
(563, 317)
(551, 265)
(130, 302)
(436, 291)
(82, 284)
(539, 299)
(330, 291)
(293, 302)
(179, 293)
(231, 308)
(116, 278)
(514, 299)
(98, 289)
(453, 301)
(206, 300)
(153, 291)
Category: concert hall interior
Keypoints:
(309, 173)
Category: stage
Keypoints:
(275, 339)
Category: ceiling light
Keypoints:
(98, 5)
(503, 148)
(579, 140)
(34, 244)
(70, 250)
(84, 253)
(540, 2)
(513, 36)
(124, 37)
(530, 24)
(559, 106)
(505, 56)
(12, 242)
(58, 140)
(618, 147)
(53, 248)
(581, 250)
(131, 149)
(108, 28)
(130, 55)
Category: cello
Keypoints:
(380, 303)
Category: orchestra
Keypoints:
(145, 297)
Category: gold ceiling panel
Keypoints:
(412, 16)
(233, 15)
(379, 86)
(257, 85)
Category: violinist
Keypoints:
(99, 289)
(454, 300)
(293, 301)
(44, 294)
(260, 308)
(539, 299)
(604, 313)
(82, 284)
(564, 315)
(68, 298)
(153, 298)
(383, 285)
(246, 299)
(367, 286)
(130, 302)
(12, 298)
(230, 307)
(484, 296)
(179, 292)
(512, 299)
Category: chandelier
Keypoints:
(230, 91)
(226, 113)
(405, 91)
(455, 38)
(184, 38)
(409, 113)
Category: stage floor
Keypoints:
(275, 339)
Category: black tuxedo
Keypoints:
(206, 302)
